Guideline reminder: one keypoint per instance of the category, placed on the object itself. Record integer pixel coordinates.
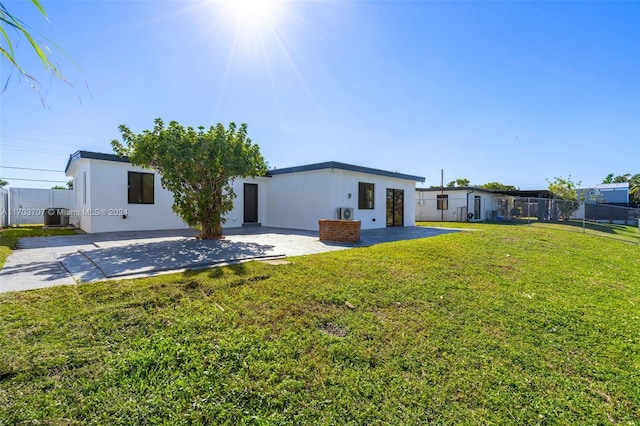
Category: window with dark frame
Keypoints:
(443, 202)
(365, 195)
(141, 188)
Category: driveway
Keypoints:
(50, 261)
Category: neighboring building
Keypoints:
(454, 204)
(476, 204)
(113, 195)
(608, 193)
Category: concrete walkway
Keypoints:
(64, 260)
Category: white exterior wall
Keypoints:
(486, 205)
(298, 200)
(293, 200)
(427, 207)
(235, 217)
(107, 200)
(81, 195)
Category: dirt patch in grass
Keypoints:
(333, 329)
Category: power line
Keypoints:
(27, 168)
(50, 142)
(34, 150)
(35, 180)
(52, 130)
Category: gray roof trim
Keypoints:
(458, 188)
(317, 166)
(531, 193)
(614, 186)
(343, 166)
(94, 156)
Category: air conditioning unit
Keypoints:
(56, 217)
(345, 213)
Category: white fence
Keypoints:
(4, 208)
(27, 206)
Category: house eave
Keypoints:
(94, 156)
(343, 166)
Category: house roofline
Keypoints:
(457, 188)
(531, 193)
(94, 156)
(309, 167)
(343, 166)
(612, 186)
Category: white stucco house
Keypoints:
(458, 204)
(463, 204)
(110, 194)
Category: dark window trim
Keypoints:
(366, 196)
(442, 201)
(138, 178)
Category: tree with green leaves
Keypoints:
(459, 183)
(10, 24)
(608, 179)
(3, 183)
(497, 186)
(68, 185)
(197, 165)
(611, 178)
(634, 188)
(566, 197)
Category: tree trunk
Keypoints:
(212, 223)
(211, 231)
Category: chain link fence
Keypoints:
(608, 220)
(619, 222)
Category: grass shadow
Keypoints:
(600, 227)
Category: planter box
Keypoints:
(340, 231)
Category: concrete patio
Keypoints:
(65, 260)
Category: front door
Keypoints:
(476, 207)
(250, 203)
(395, 207)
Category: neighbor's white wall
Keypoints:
(4, 208)
(107, 200)
(486, 205)
(426, 205)
(27, 205)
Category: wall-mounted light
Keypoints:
(349, 195)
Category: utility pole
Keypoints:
(441, 195)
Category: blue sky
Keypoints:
(516, 92)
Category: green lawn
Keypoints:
(9, 237)
(503, 325)
(621, 232)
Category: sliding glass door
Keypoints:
(395, 207)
